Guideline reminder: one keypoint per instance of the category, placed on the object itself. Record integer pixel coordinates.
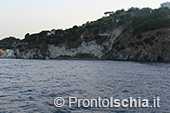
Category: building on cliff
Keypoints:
(166, 4)
(10, 53)
(52, 32)
(6, 53)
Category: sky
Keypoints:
(18, 17)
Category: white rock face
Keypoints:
(114, 35)
(90, 47)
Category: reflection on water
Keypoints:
(32, 85)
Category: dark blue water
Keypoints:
(31, 85)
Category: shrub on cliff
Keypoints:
(7, 43)
(152, 20)
(139, 20)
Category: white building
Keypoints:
(52, 32)
(166, 4)
(10, 53)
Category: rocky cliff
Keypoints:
(148, 46)
(136, 34)
(90, 49)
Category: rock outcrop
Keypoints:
(89, 49)
(149, 46)
(135, 35)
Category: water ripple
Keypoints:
(32, 85)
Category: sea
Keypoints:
(30, 86)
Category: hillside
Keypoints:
(7, 43)
(135, 34)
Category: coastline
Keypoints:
(90, 59)
(7, 58)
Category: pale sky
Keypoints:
(18, 17)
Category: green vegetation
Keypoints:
(147, 19)
(135, 21)
(7, 43)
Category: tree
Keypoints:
(27, 35)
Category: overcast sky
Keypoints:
(18, 17)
